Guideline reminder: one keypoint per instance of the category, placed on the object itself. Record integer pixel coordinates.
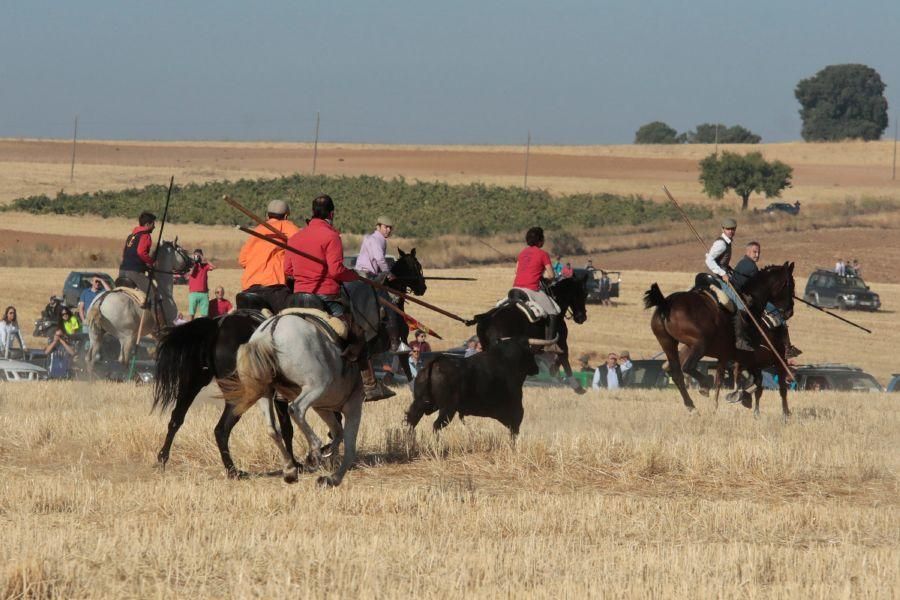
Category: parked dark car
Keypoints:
(644, 374)
(595, 284)
(77, 281)
(827, 288)
(894, 384)
(783, 207)
(843, 378)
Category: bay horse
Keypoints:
(191, 355)
(507, 320)
(118, 311)
(694, 319)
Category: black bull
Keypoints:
(505, 321)
(488, 384)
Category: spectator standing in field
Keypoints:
(558, 267)
(840, 268)
(198, 286)
(567, 271)
(605, 287)
(9, 332)
(61, 353)
(419, 342)
(590, 265)
(88, 295)
(625, 365)
(857, 269)
(610, 376)
(68, 322)
(219, 306)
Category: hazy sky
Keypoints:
(577, 72)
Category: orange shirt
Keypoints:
(263, 262)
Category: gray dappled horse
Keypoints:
(118, 311)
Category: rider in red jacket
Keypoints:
(321, 274)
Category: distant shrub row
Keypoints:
(419, 209)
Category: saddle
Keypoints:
(705, 283)
(335, 327)
(520, 300)
(125, 282)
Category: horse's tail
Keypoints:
(654, 298)
(183, 363)
(257, 367)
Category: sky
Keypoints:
(426, 72)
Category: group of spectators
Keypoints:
(563, 270)
(848, 268)
(615, 373)
(59, 349)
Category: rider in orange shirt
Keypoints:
(263, 262)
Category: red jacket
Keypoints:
(144, 246)
(321, 240)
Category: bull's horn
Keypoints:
(535, 342)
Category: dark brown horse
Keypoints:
(696, 320)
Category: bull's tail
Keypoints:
(654, 298)
(257, 367)
(183, 362)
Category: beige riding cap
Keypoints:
(729, 223)
(278, 207)
(382, 220)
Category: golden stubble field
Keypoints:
(620, 494)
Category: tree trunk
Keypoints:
(745, 202)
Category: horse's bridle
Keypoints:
(188, 261)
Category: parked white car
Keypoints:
(16, 370)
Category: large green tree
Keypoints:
(656, 132)
(745, 175)
(843, 102)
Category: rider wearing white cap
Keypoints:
(718, 261)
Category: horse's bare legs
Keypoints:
(783, 391)
(283, 410)
(352, 411)
(334, 428)
(757, 375)
(690, 357)
(720, 373)
(182, 404)
(299, 408)
(670, 347)
(289, 468)
(223, 432)
(567, 368)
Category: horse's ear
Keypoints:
(402, 253)
(791, 268)
(413, 253)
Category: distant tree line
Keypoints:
(659, 132)
(418, 209)
(840, 102)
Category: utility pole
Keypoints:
(316, 144)
(527, 152)
(894, 168)
(74, 139)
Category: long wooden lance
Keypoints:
(237, 205)
(369, 282)
(756, 323)
(831, 314)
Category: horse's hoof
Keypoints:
(237, 474)
(704, 392)
(291, 476)
(328, 450)
(327, 481)
(580, 391)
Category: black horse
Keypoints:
(191, 355)
(507, 320)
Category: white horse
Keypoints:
(118, 311)
(295, 357)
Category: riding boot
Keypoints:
(552, 332)
(791, 351)
(374, 389)
(741, 339)
(398, 346)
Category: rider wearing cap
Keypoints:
(371, 262)
(136, 259)
(532, 264)
(321, 272)
(263, 262)
(718, 261)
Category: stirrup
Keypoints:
(379, 391)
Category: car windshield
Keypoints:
(649, 375)
(852, 282)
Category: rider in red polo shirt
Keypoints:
(532, 264)
(319, 239)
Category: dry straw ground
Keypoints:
(605, 495)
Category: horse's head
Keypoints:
(571, 292)
(775, 284)
(408, 272)
(173, 258)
